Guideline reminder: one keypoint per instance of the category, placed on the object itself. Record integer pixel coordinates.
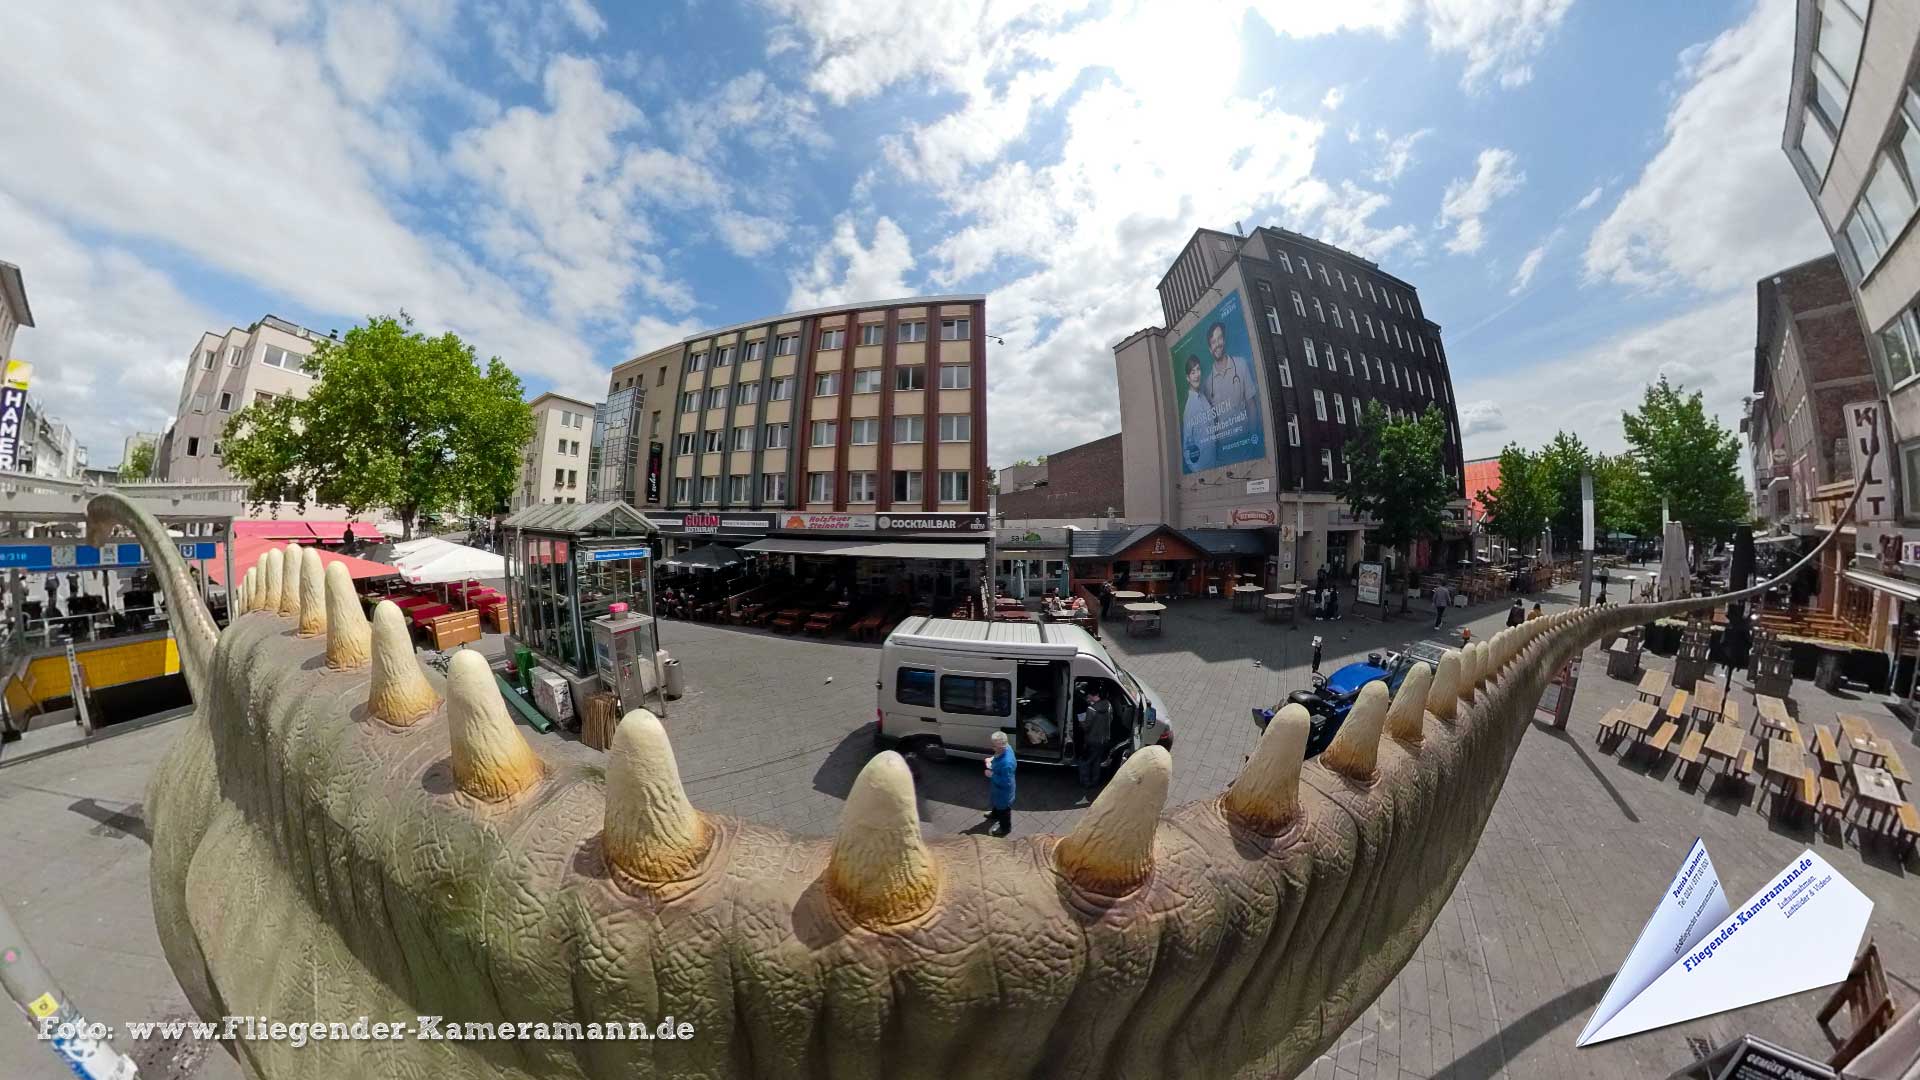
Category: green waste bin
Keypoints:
(523, 668)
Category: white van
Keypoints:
(949, 684)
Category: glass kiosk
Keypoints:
(567, 565)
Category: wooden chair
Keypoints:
(1689, 752)
(1869, 1009)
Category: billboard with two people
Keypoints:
(1216, 392)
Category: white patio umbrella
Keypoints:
(449, 562)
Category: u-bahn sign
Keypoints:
(33, 557)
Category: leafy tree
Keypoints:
(1563, 460)
(396, 419)
(1623, 499)
(1399, 478)
(139, 463)
(1688, 457)
(1526, 500)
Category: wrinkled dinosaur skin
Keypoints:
(312, 861)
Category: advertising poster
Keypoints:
(1371, 578)
(13, 410)
(1216, 393)
(1866, 427)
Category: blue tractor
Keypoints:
(1332, 696)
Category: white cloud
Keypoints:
(585, 18)
(1498, 37)
(1468, 200)
(1342, 216)
(753, 109)
(846, 270)
(1530, 263)
(650, 332)
(1586, 201)
(1481, 418)
(1717, 206)
(747, 235)
(1396, 154)
(1334, 96)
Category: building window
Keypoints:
(788, 344)
(715, 441)
(864, 431)
(216, 449)
(866, 381)
(226, 401)
(955, 329)
(738, 490)
(825, 433)
(275, 356)
(909, 429)
(746, 393)
(1356, 408)
(1367, 321)
(1326, 465)
(777, 435)
(1313, 358)
(1319, 405)
(696, 362)
(956, 376)
(562, 448)
(261, 397)
(953, 485)
(780, 389)
(1324, 280)
(861, 487)
(743, 438)
(1318, 311)
(956, 427)
(912, 331)
(683, 490)
(1299, 305)
(208, 359)
(690, 401)
(1336, 318)
(717, 398)
(1285, 263)
(1899, 348)
(906, 486)
(723, 357)
(820, 487)
(193, 446)
(1394, 370)
(684, 444)
(1339, 409)
(773, 487)
(573, 478)
(199, 403)
(1273, 318)
(1348, 357)
(659, 377)
(910, 377)
(1889, 200)
(1293, 429)
(755, 350)
(826, 384)
(709, 489)
(236, 356)
(1348, 463)
(1286, 372)
(559, 478)
(873, 333)
(653, 428)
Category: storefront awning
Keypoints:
(1905, 590)
(868, 549)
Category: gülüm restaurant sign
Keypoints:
(698, 524)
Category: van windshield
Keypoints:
(1133, 688)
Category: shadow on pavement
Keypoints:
(1587, 760)
(128, 822)
(1494, 1053)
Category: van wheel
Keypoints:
(927, 748)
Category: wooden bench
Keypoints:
(1730, 714)
(1609, 725)
(1742, 770)
(1689, 753)
(455, 629)
(1833, 802)
(1895, 767)
(1804, 795)
(1825, 749)
(1676, 711)
(1661, 739)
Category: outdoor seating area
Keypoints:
(1843, 778)
(446, 615)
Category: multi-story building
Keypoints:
(554, 464)
(852, 421)
(47, 446)
(226, 373)
(139, 439)
(14, 312)
(1237, 412)
(639, 397)
(1080, 486)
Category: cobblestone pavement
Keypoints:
(774, 728)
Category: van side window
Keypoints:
(976, 694)
(914, 686)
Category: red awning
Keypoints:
(248, 552)
(271, 530)
(334, 531)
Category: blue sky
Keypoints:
(1584, 192)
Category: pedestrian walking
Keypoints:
(1517, 614)
(1536, 612)
(1106, 599)
(1097, 737)
(1442, 599)
(999, 773)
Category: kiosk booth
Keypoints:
(568, 565)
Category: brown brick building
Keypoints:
(1082, 482)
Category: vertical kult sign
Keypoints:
(1586, 511)
(1866, 430)
(13, 409)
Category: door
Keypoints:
(1040, 708)
(976, 701)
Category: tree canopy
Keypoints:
(1399, 478)
(1688, 457)
(1562, 461)
(139, 463)
(1526, 500)
(396, 420)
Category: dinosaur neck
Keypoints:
(193, 625)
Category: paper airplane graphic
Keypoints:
(1696, 956)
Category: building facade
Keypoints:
(1237, 412)
(226, 373)
(139, 439)
(14, 311)
(554, 466)
(638, 417)
(1079, 486)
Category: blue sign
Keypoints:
(618, 554)
(202, 550)
(32, 557)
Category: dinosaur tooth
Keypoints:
(1407, 716)
(1265, 797)
(1355, 750)
(270, 575)
(400, 694)
(651, 831)
(349, 638)
(1110, 850)
(290, 581)
(491, 759)
(880, 870)
(313, 597)
(1443, 700)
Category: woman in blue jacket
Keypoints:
(999, 772)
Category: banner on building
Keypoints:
(1867, 435)
(13, 412)
(654, 451)
(1216, 392)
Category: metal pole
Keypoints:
(233, 586)
(81, 1046)
(1586, 538)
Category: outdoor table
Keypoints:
(422, 614)
(1708, 698)
(1146, 608)
(1653, 685)
(1278, 604)
(1145, 615)
(1724, 742)
(1638, 718)
(1874, 787)
(405, 602)
(1245, 597)
(1858, 741)
(1771, 708)
(1124, 595)
(1784, 765)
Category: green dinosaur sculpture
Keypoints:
(339, 833)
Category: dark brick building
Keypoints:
(1081, 482)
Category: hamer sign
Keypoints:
(1867, 432)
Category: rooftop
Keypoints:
(14, 288)
(866, 305)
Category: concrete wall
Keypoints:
(1143, 367)
(1081, 482)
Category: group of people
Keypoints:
(1095, 727)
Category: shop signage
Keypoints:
(1286, 534)
(87, 557)
(1254, 515)
(933, 522)
(827, 522)
(1341, 515)
(1259, 487)
(654, 450)
(701, 523)
(618, 554)
(13, 406)
(1866, 427)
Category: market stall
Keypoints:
(566, 564)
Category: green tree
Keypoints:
(396, 419)
(139, 463)
(1689, 458)
(1623, 499)
(1526, 500)
(1563, 459)
(1399, 478)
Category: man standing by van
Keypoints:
(1099, 733)
(1000, 786)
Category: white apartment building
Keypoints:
(14, 312)
(554, 466)
(225, 373)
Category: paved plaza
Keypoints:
(775, 729)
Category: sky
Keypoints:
(1585, 193)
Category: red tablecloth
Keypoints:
(421, 615)
(406, 602)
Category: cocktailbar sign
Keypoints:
(13, 411)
